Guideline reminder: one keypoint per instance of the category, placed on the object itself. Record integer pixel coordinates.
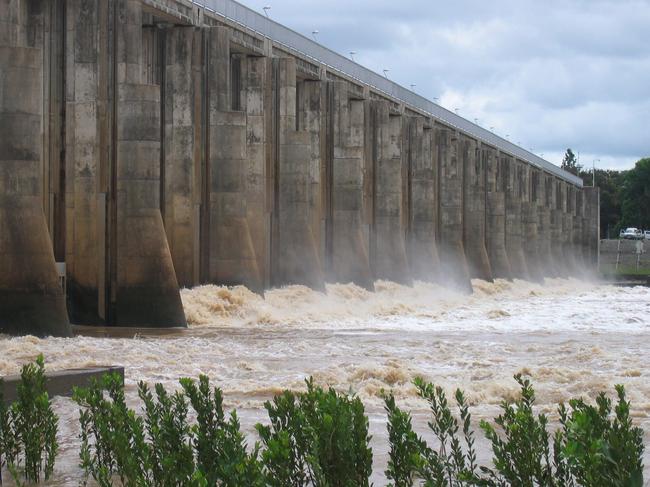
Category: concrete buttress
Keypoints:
(450, 204)
(592, 222)
(31, 297)
(388, 235)
(475, 209)
(530, 222)
(419, 148)
(557, 246)
(567, 227)
(546, 263)
(347, 181)
(181, 50)
(514, 222)
(295, 247)
(496, 214)
(233, 256)
(146, 289)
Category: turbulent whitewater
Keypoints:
(573, 338)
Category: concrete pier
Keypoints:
(496, 214)
(349, 189)
(148, 145)
(453, 264)
(31, 297)
(544, 233)
(514, 222)
(530, 224)
(388, 233)
(422, 168)
(475, 161)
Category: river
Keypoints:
(573, 338)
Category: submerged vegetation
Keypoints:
(319, 437)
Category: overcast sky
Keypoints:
(550, 74)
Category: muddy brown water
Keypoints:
(573, 338)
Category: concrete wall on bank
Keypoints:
(151, 147)
(624, 256)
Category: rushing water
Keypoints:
(573, 338)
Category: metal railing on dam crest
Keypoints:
(250, 19)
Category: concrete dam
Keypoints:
(148, 145)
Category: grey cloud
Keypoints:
(552, 74)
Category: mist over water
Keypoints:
(574, 338)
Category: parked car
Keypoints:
(632, 234)
(647, 234)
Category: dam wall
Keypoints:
(149, 145)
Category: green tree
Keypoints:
(635, 195)
(570, 163)
(610, 183)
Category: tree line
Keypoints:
(624, 195)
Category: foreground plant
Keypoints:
(28, 428)
(113, 442)
(318, 437)
(592, 448)
(221, 450)
(597, 449)
(162, 448)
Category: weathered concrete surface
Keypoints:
(311, 112)
(60, 382)
(514, 221)
(475, 209)
(347, 234)
(147, 289)
(547, 266)
(236, 228)
(419, 150)
(88, 156)
(557, 211)
(181, 49)
(624, 256)
(496, 214)
(388, 237)
(295, 249)
(567, 228)
(530, 223)
(31, 298)
(450, 203)
(176, 147)
(592, 230)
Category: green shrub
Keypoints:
(406, 448)
(113, 439)
(171, 457)
(220, 446)
(28, 428)
(7, 438)
(592, 448)
(598, 449)
(521, 453)
(411, 458)
(162, 448)
(318, 438)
